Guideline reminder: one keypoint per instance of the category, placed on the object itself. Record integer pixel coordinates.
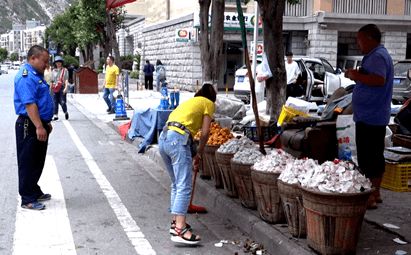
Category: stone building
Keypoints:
(317, 28)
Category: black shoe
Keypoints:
(44, 197)
(108, 110)
(55, 118)
(66, 115)
(111, 112)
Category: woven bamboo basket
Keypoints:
(223, 161)
(334, 220)
(211, 164)
(244, 184)
(267, 196)
(292, 200)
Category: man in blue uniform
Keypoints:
(34, 107)
(371, 103)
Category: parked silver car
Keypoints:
(402, 83)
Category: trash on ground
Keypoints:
(400, 252)
(399, 241)
(389, 225)
(253, 247)
(219, 245)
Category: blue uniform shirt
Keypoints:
(372, 105)
(30, 87)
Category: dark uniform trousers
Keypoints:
(31, 155)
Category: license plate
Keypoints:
(240, 78)
(397, 81)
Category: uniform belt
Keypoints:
(23, 118)
(178, 125)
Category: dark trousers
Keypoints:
(148, 82)
(369, 140)
(31, 155)
(60, 98)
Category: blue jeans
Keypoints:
(109, 98)
(59, 98)
(176, 154)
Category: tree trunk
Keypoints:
(111, 40)
(272, 17)
(217, 38)
(206, 57)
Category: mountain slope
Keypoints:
(18, 11)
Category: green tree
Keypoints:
(70, 60)
(14, 56)
(61, 31)
(84, 25)
(3, 54)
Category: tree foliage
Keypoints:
(3, 54)
(14, 56)
(84, 25)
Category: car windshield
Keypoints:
(401, 68)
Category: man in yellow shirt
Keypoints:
(110, 83)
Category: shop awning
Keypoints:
(110, 4)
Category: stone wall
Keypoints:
(298, 45)
(182, 59)
(396, 44)
(323, 43)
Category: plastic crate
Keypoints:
(268, 132)
(397, 177)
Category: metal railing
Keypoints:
(374, 7)
(296, 10)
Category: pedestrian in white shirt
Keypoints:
(293, 71)
(263, 73)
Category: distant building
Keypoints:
(22, 37)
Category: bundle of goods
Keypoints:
(216, 137)
(241, 165)
(223, 156)
(264, 175)
(291, 195)
(334, 193)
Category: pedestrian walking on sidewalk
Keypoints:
(110, 83)
(148, 75)
(371, 103)
(34, 107)
(176, 150)
(160, 74)
(59, 81)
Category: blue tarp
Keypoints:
(146, 124)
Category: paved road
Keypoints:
(106, 198)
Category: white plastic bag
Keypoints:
(347, 149)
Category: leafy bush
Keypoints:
(134, 74)
(127, 62)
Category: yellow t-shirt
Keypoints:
(111, 75)
(191, 113)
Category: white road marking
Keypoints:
(134, 234)
(47, 231)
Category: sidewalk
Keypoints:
(375, 238)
